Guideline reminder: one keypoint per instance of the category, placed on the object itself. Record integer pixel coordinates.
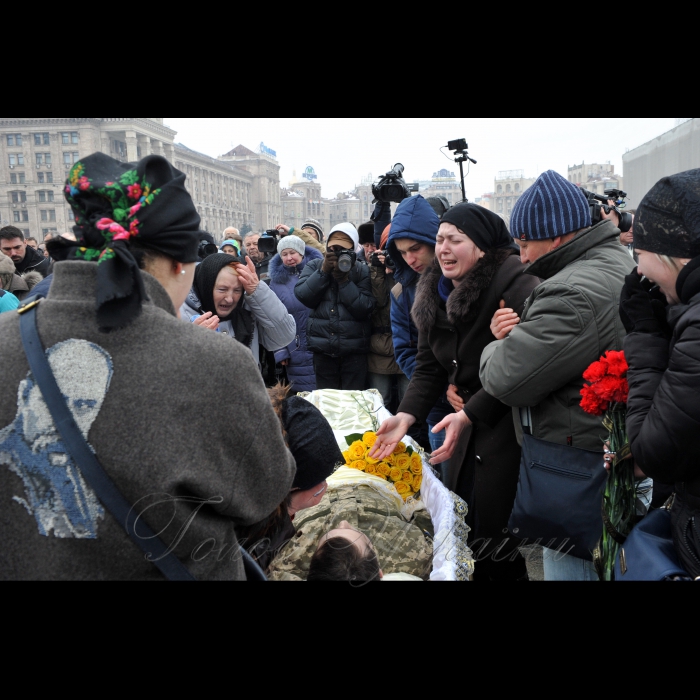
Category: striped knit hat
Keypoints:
(551, 207)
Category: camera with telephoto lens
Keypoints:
(267, 243)
(346, 258)
(392, 187)
(597, 208)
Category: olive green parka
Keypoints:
(569, 321)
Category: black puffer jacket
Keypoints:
(340, 323)
(663, 411)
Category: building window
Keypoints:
(14, 139)
(42, 140)
(70, 158)
(43, 158)
(18, 197)
(48, 215)
(46, 196)
(17, 178)
(49, 178)
(20, 216)
(40, 178)
(48, 230)
(499, 189)
(16, 159)
(517, 188)
(507, 188)
(69, 137)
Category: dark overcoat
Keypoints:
(484, 470)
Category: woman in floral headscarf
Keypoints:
(124, 362)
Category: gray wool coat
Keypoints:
(178, 417)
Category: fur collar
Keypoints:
(461, 306)
(279, 274)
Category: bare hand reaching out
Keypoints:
(207, 320)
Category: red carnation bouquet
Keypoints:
(605, 394)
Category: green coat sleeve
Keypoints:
(550, 347)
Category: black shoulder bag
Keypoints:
(559, 496)
(86, 461)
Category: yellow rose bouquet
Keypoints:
(403, 468)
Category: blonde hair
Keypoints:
(672, 264)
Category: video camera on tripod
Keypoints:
(599, 204)
(392, 187)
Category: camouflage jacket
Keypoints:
(401, 546)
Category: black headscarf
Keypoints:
(485, 228)
(668, 218)
(114, 204)
(204, 280)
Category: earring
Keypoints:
(183, 272)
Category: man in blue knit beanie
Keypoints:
(569, 321)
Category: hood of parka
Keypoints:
(583, 243)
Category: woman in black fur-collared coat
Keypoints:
(475, 268)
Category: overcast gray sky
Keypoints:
(343, 150)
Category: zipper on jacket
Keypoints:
(559, 470)
(689, 549)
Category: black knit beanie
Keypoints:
(311, 442)
(668, 218)
(485, 228)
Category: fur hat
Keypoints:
(366, 232)
(293, 243)
(7, 270)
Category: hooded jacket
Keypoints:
(340, 321)
(33, 262)
(569, 321)
(23, 285)
(414, 219)
(300, 370)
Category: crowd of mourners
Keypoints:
(181, 360)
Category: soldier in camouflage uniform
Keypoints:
(401, 546)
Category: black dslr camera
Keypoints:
(388, 262)
(392, 187)
(346, 258)
(594, 201)
(267, 243)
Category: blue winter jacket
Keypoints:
(300, 370)
(414, 219)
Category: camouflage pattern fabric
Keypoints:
(401, 546)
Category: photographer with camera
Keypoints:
(260, 259)
(338, 290)
(310, 232)
(381, 363)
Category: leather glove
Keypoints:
(643, 309)
(330, 263)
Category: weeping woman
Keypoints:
(227, 297)
(476, 271)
